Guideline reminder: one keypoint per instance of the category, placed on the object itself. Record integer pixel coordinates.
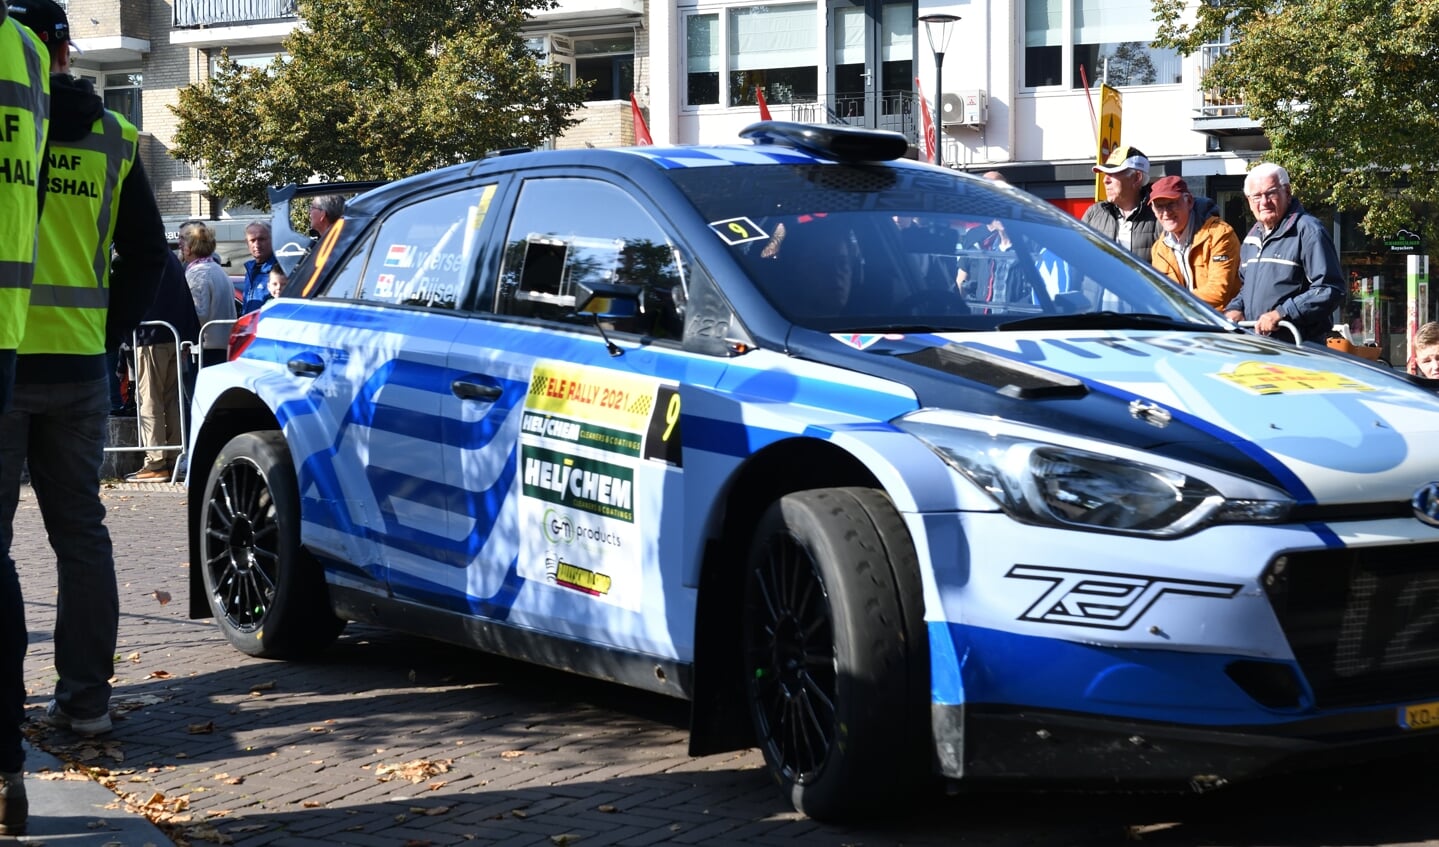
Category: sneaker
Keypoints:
(14, 806)
(157, 475)
(80, 726)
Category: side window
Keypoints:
(342, 283)
(569, 230)
(422, 253)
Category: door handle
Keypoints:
(306, 364)
(466, 390)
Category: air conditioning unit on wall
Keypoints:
(965, 108)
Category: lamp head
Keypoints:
(938, 41)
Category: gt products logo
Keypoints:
(1426, 504)
(1105, 600)
(560, 528)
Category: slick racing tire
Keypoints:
(834, 653)
(267, 593)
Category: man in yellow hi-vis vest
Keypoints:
(97, 201)
(24, 112)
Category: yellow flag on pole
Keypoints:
(1110, 109)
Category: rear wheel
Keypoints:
(266, 591)
(834, 653)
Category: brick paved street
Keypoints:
(392, 740)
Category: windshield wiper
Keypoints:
(897, 329)
(1106, 320)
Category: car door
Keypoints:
(386, 366)
(568, 472)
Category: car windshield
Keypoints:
(846, 248)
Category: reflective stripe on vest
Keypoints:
(24, 119)
(69, 299)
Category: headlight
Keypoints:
(1056, 485)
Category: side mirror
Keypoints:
(604, 300)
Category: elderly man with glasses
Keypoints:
(1288, 267)
(1198, 250)
(325, 210)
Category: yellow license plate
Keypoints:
(1419, 716)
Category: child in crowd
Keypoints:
(1426, 350)
(278, 281)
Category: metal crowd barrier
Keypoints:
(183, 349)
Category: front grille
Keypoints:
(1363, 623)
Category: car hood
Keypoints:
(1326, 427)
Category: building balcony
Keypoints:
(588, 12)
(232, 23)
(1220, 112)
(896, 111)
(110, 30)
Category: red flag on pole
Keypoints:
(763, 106)
(642, 132)
(927, 141)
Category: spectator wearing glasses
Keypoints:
(325, 211)
(1198, 250)
(1288, 267)
(1125, 216)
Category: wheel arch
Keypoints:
(235, 412)
(719, 721)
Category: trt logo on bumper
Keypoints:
(1105, 600)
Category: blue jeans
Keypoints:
(13, 637)
(60, 429)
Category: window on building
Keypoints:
(702, 61)
(122, 94)
(607, 62)
(1110, 39)
(258, 61)
(771, 47)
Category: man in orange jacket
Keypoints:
(1198, 250)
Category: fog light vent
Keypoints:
(1271, 684)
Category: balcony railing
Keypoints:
(193, 13)
(897, 111)
(1215, 102)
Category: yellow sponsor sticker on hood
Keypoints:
(1265, 378)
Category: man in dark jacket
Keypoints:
(1288, 267)
(98, 204)
(1125, 217)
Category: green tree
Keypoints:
(1347, 92)
(375, 92)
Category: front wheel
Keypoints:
(266, 591)
(834, 655)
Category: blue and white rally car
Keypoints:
(891, 471)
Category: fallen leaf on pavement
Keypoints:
(606, 807)
(72, 776)
(201, 728)
(262, 686)
(512, 754)
(206, 832)
(417, 770)
(163, 597)
(158, 675)
(436, 786)
(565, 838)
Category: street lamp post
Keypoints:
(937, 29)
